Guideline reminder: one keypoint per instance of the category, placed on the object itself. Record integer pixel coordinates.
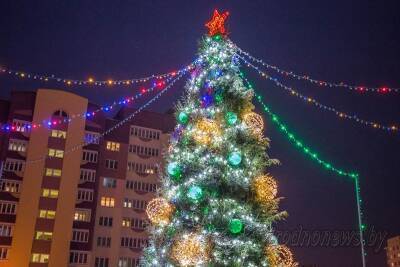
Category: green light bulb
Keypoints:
(183, 118)
(231, 118)
(235, 226)
(174, 170)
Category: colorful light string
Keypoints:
(119, 124)
(90, 81)
(381, 90)
(335, 111)
(329, 166)
(9, 127)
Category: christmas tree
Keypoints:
(217, 203)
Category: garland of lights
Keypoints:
(119, 124)
(381, 90)
(90, 81)
(220, 217)
(127, 100)
(342, 115)
(329, 166)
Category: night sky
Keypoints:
(354, 41)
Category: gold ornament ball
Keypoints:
(159, 211)
(279, 256)
(255, 122)
(205, 130)
(265, 188)
(191, 250)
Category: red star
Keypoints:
(216, 24)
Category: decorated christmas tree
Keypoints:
(217, 203)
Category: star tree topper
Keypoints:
(216, 24)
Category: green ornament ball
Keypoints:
(235, 226)
(231, 118)
(183, 117)
(235, 158)
(195, 193)
(174, 170)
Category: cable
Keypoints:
(382, 90)
(340, 114)
(119, 124)
(89, 81)
(49, 122)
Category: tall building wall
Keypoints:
(86, 207)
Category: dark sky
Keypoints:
(355, 41)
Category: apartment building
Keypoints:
(69, 197)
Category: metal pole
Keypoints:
(360, 224)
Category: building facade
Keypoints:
(393, 251)
(69, 197)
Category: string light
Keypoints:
(381, 90)
(117, 125)
(314, 156)
(90, 80)
(306, 150)
(124, 101)
(310, 100)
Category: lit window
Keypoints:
(58, 134)
(113, 146)
(56, 153)
(127, 203)
(82, 215)
(47, 214)
(41, 258)
(107, 202)
(126, 222)
(51, 193)
(40, 235)
(53, 172)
